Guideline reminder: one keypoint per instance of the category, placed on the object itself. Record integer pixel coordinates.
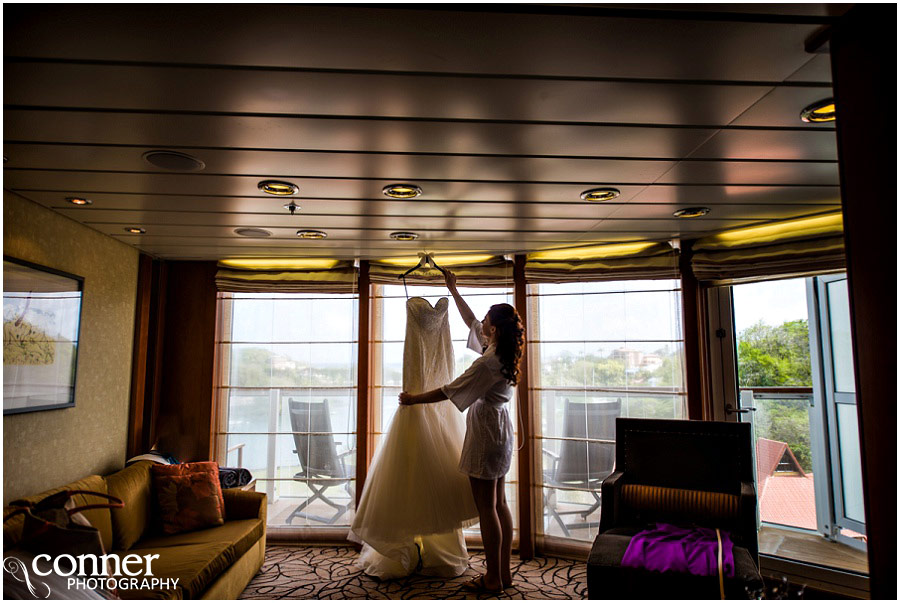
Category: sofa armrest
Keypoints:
(609, 497)
(748, 520)
(241, 504)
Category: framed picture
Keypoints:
(41, 327)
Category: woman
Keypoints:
(485, 389)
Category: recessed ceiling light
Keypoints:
(278, 187)
(135, 230)
(311, 234)
(173, 161)
(78, 201)
(819, 112)
(691, 212)
(404, 236)
(601, 194)
(252, 232)
(402, 191)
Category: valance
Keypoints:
(800, 247)
(341, 277)
(470, 270)
(613, 261)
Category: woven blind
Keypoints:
(626, 261)
(791, 248)
(339, 279)
(492, 272)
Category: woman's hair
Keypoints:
(509, 339)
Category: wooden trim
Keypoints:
(308, 536)
(136, 424)
(187, 388)
(693, 333)
(364, 441)
(527, 522)
(566, 548)
(155, 351)
(864, 66)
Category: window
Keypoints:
(389, 307)
(598, 350)
(287, 401)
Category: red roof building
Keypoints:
(786, 493)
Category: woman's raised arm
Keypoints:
(464, 310)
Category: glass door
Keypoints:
(835, 374)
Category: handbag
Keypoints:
(55, 525)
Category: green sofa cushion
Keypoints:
(99, 518)
(132, 485)
(239, 534)
(195, 565)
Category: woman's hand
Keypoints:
(406, 398)
(450, 280)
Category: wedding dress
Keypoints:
(415, 501)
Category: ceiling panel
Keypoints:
(344, 165)
(822, 173)
(358, 135)
(332, 245)
(817, 69)
(782, 107)
(54, 188)
(417, 167)
(422, 96)
(413, 40)
(818, 145)
(669, 228)
(324, 221)
(384, 207)
(759, 212)
(244, 186)
(504, 116)
(713, 195)
(334, 233)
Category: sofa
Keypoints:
(212, 563)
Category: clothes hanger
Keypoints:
(425, 259)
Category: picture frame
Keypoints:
(41, 334)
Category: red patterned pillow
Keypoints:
(189, 496)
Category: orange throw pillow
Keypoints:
(188, 496)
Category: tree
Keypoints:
(774, 356)
(778, 356)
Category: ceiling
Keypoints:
(503, 119)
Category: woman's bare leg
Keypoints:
(506, 531)
(485, 492)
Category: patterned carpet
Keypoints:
(328, 573)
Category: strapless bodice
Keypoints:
(426, 316)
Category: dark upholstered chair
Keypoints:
(581, 464)
(684, 473)
(321, 465)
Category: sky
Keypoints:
(772, 302)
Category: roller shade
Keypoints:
(800, 247)
(340, 277)
(615, 261)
